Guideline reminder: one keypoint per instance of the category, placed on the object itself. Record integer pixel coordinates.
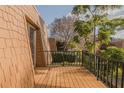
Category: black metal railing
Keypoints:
(111, 72)
(65, 58)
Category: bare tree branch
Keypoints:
(63, 29)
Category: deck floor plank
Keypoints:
(65, 77)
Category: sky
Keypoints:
(50, 12)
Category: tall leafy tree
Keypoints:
(107, 28)
(83, 28)
(92, 13)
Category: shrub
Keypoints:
(113, 53)
(59, 57)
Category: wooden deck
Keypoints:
(65, 77)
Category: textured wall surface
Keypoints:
(16, 67)
(52, 42)
(118, 43)
(43, 58)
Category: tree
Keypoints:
(93, 13)
(113, 53)
(71, 45)
(62, 29)
(83, 28)
(107, 28)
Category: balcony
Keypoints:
(77, 69)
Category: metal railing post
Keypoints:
(82, 57)
(63, 57)
(122, 78)
(111, 82)
(116, 82)
(97, 68)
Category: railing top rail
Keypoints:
(99, 56)
(113, 60)
(59, 51)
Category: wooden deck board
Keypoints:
(65, 77)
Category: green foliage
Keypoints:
(93, 10)
(113, 53)
(78, 9)
(76, 39)
(71, 45)
(104, 37)
(83, 28)
(89, 46)
(59, 57)
(92, 16)
(107, 28)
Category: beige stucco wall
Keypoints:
(52, 43)
(16, 67)
(118, 43)
(43, 57)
